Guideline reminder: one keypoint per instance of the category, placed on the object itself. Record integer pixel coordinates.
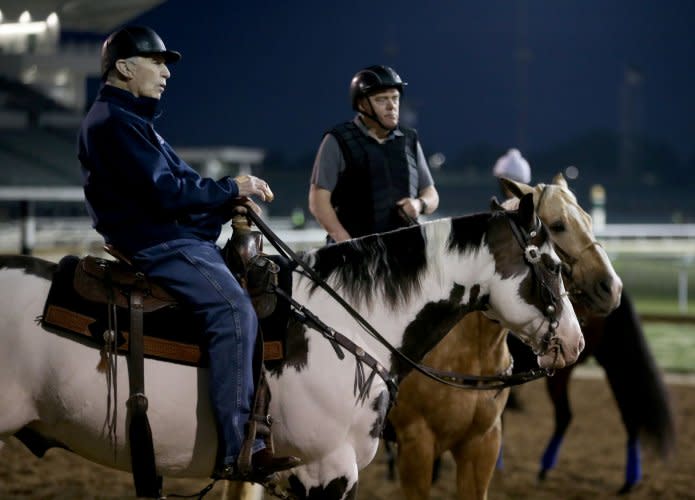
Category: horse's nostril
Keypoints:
(605, 286)
(609, 286)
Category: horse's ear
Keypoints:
(518, 189)
(495, 205)
(527, 212)
(559, 179)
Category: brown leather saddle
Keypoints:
(112, 282)
(93, 297)
(109, 282)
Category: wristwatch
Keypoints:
(423, 204)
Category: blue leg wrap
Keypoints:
(551, 452)
(633, 469)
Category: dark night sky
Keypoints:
(275, 74)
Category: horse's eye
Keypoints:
(557, 227)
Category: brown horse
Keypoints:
(617, 342)
(431, 418)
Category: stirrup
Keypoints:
(231, 472)
(258, 425)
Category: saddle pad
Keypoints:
(170, 333)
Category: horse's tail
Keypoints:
(635, 379)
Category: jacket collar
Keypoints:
(145, 107)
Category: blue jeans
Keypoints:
(195, 271)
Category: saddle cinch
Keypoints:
(93, 296)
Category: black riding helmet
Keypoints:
(133, 41)
(372, 79)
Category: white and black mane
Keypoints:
(390, 266)
(393, 263)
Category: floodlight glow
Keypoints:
(25, 28)
(572, 172)
(29, 75)
(25, 17)
(52, 20)
(61, 78)
(437, 160)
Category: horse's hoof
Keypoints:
(627, 488)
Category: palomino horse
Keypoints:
(328, 406)
(430, 419)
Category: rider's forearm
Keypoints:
(430, 197)
(321, 208)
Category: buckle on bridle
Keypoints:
(532, 254)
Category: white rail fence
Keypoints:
(53, 237)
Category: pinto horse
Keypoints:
(328, 406)
(430, 419)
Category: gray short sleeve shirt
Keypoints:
(329, 162)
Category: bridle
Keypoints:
(479, 382)
(532, 256)
(568, 260)
(540, 269)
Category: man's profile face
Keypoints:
(149, 76)
(386, 106)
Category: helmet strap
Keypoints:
(373, 116)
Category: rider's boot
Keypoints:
(262, 465)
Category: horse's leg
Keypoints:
(475, 463)
(333, 477)
(633, 466)
(391, 453)
(352, 494)
(237, 490)
(557, 386)
(436, 468)
(12, 423)
(630, 418)
(18, 406)
(415, 460)
(637, 386)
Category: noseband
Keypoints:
(568, 261)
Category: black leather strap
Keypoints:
(142, 459)
(464, 381)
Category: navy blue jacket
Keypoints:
(138, 191)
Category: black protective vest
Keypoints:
(376, 176)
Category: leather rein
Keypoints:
(453, 379)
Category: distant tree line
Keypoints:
(650, 185)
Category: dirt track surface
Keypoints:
(591, 463)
